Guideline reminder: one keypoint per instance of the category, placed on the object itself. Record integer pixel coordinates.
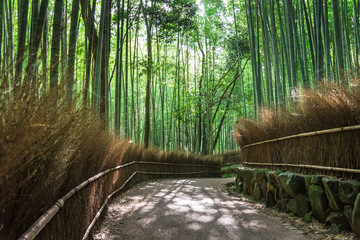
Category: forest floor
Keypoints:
(193, 209)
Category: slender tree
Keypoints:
(72, 48)
(55, 46)
(278, 86)
(22, 30)
(338, 46)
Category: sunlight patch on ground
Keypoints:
(194, 226)
(226, 220)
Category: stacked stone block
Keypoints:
(328, 200)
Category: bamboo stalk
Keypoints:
(308, 134)
(335, 169)
(43, 220)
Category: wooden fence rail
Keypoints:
(337, 154)
(43, 220)
(335, 169)
(308, 134)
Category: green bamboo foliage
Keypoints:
(172, 81)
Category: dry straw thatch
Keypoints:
(328, 106)
(48, 147)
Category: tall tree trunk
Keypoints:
(285, 50)
(105, 88)
(319, 66)
(22, 30)
(303, 69)
(267, 53)
(338, 46)
(346, 40)
(35, 42)
(88, 16)
(64, 44)
(310, 34)
(290, 35)
(126, 91)
(9, 76)
(278, 86)
(254, 62)
(238, 51)
(55, 45)
(72, 49)
(44, 50)
(148, 23)
(97, 84)
(326, 42)
(356, 36)
(1, 35)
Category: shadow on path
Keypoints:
(187, 209)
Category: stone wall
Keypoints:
(333, 202)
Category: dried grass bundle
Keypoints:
(328, 106)
(48, 146)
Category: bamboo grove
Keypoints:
(177, 73)
(299, 44)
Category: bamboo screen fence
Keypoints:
(83, 196)
(333, 152)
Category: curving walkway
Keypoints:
(188, 209)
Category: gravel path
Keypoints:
(188, 209)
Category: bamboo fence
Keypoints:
(335, 169)
(308, 134)
(277, 156)
(43, 220)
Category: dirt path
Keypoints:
(188, 209)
